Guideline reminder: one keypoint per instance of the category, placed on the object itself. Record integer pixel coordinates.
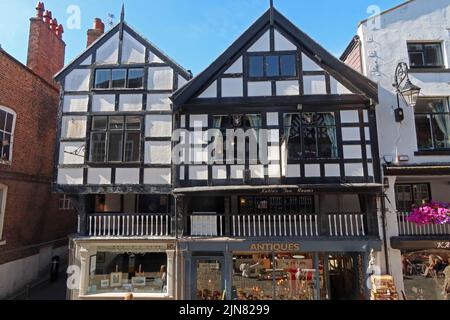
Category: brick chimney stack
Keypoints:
(46, 49)
(95, 33)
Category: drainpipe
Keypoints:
(383, 218)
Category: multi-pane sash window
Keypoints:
(115, 139)
(6, 134)
(65, 203)
(310, 135)
(119, 78)
(408, 195)
(272, 66)
(425, 55)
(433, 124)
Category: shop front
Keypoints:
(110, 270)
(252, 270)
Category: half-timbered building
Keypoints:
(114, 156)
(296, 217)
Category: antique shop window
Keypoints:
(428, 55)
(425, 274)
(3, 192)
(279, 276)
(119, 78)
(128, 272)
(310, 135)
(272, 66)
(7, 124)
(433, 124)
(408, 195)
(65, 203)
(209, 280)
(115, 139)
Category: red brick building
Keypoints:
(34, 223)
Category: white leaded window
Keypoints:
(7, 124)
(65, 203)
(3, 191)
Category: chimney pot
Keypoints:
(40, 8)
(54, 25)
(47, 17)
(97, 31)
(99, 25)
(60, 31)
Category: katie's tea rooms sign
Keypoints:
(275, 247)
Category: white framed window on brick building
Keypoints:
(65, 203)
(7, 126)
(3, 192)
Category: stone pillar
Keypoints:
(171, 276)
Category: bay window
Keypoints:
(432, 119)
(115, 139)
(310, 135)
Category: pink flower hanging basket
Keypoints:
(433, 213)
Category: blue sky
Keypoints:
(193, 32)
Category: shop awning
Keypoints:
(418, 170)
(307, 188)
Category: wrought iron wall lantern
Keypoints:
(404, 89)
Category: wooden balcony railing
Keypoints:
(129, 225)
(406, 228)
(289, 225)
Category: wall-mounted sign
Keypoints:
(276, 191)
(275, 247)
(443, 245)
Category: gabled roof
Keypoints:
(125, 27)
(352, 79)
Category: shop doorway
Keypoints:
(343, 277)
(209, 280)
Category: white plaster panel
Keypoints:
(262, 44)
(198, 172)
(133, 51)
(337, 87)
(237, 172)
(108, 53)
(354, 170)
(77, 80)
(312, 170)
(283, 44)
(199, 155)
(158, 152)
(351, 134)
(70, 176)
(160, 78)
(314, 85)
(182, 172)
(293, 171)
(67, 150)
(288, 88)
(257, 171)
(274, 153)
(309, 65)
(350, 116)
(210, 92)
(367, 133)
(232, 87)
(272, 119)
(73, 127)
(369, 151)
(75, 103)
(273, 171)
(103, 103)
(153, 58)
(219, 172)
(181, 81)
(352, 152)
(183, 121)
(332, 170)
(127, 175)
(99, 176)
(130, 102)
(158, 126)
(236, 67)
(259, 89)
(366, 116)
(198, 121)
(158, 176)
(370, 171)
(158, 102)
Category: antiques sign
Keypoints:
(275, 247)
